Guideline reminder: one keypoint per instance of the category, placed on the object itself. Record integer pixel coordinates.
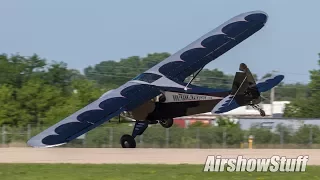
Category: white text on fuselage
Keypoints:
(189, 97)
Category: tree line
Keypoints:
(307, 106)
(34, 90)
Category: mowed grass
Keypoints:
(137, 172)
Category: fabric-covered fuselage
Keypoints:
(177, 104)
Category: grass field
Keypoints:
(136, 172)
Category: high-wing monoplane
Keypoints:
(160, 94)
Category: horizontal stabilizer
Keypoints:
(268, 83)
(226, 104)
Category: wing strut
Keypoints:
(193, 77)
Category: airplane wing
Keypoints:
(210, 46)
(109, 105)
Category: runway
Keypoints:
(141, 156)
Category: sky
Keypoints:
(83, 33)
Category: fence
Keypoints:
(306, 136)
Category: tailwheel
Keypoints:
(127, 141)
(262, 112)
(166, 123)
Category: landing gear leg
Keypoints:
(257, 107)
(128, 141)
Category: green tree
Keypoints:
(83, 93)
(60, 76)
(16, 69)
(213, 78)
(9, 110)
(307, 106)
(307, 134)
(112, 73)
(35, 98)
(30, 87)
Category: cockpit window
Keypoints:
(147, 77)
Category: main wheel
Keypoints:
(262, 113)
(127, 141)
(166, 123)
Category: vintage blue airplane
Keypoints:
(160, 94)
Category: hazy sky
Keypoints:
(83, 33)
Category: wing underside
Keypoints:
(125, 98)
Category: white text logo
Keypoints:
(272, 164)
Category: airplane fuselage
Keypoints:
(177, 104)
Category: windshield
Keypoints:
(147, 77)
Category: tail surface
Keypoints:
(245, 91)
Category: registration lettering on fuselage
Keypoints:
(183, 97)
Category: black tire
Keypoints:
(166, 123)
(262, 113)
(127, 141)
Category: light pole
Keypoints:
(271, 101)
(272, 93)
